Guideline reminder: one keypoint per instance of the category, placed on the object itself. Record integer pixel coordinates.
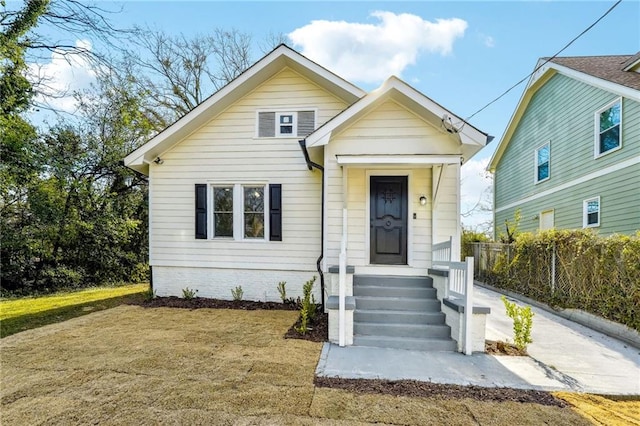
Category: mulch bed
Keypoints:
(203, 302)
(493, 347)
(414, 388)
(318, 329)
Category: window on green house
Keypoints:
(591, 212)
(543, 156)
(608, 122)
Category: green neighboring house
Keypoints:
(570, 156)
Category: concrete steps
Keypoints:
(399, 312)
(415, 344)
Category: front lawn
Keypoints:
(136, 365)
(30, 312)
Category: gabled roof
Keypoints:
(471, 138)
(611, 73)
(610, 68)
(279, 58)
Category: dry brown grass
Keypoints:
(603, 410)
(131, 365)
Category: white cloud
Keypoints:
(64, 75)
(372, 52)
(476, 196)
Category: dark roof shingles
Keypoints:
(605, 67)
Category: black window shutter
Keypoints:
(275, 212)
(201, 211)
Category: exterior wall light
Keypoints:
(423, 200)
(158, 160)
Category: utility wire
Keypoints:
(543, 64)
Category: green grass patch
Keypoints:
(17, 315)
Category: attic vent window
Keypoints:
(285, 124)
(285, 127)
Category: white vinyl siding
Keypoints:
(591, 212)
(608, 128)
(225, 152)
(390, 129)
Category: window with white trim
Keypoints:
(542, 158)
(591, 212)
(608, 124)
(285, 124)
(253, 211)
(250, 211)
(222, 211)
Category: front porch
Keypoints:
(424, 313)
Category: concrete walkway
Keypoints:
(563, 356)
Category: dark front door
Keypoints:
(389, 200)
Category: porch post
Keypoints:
(457, 237)
(468, 306)
(342, 261)
(342, 270)
(436, 174)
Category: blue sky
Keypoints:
(460, 54)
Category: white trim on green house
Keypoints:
(602, 172)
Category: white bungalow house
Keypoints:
(287, 166)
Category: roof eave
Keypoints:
(394, 88)
(537, 80)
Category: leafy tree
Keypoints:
(72, 214)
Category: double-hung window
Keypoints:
(608, 123)
(542, 158)
(222, 211)
(238, 211)
(591, 212)
(253, 211)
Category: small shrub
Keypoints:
(308, 307)
(237, 293)
(522, 322)
(283, 291)
(188, 293)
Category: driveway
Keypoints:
(581, 358)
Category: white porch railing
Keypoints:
(459, 285)
(441, 253)
(342, 276)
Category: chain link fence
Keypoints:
(568, 269)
